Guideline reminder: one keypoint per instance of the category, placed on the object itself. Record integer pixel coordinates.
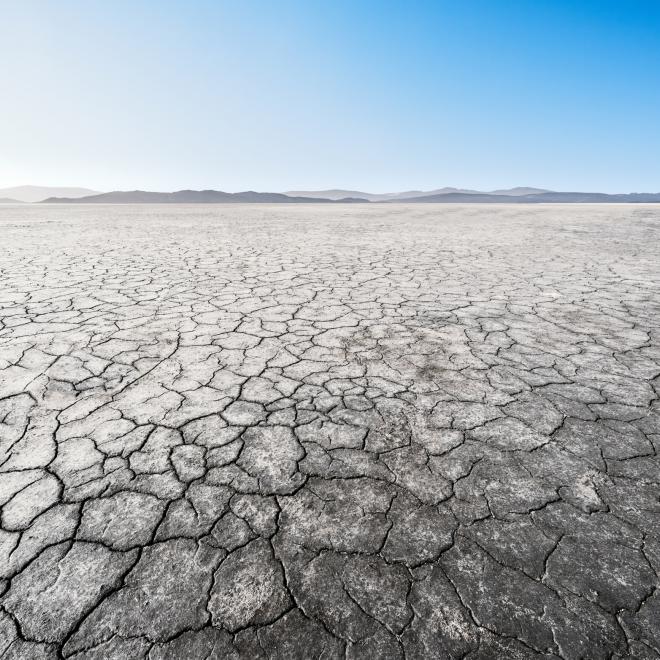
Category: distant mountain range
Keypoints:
(409, 194)
(549, 197)
(39, 193)
(191, 197)
(519, 195)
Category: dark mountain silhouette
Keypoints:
(409, 194)
(520, 190)
(337, 194)
(443, 196)
(190, 197)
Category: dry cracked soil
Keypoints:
(329, 431)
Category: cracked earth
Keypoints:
(329, 432)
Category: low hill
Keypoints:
(191, 197)
(540, 198)
(520, 190)
(336, 193)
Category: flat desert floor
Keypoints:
(329, 431)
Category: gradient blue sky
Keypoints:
(376, 96)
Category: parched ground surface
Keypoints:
(329, 432)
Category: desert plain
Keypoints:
(329, 431)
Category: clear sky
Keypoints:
(377, 96)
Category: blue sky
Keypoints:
(376, 96)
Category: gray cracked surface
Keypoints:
(332, 432)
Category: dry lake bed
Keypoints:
(329, 431)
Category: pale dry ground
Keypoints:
(329, 431)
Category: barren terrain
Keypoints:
(329, 431)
